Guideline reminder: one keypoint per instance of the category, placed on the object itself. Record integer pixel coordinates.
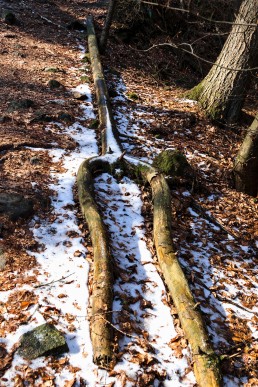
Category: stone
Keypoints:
(41, 117)
(65, 117)
(9, 17)
(80, 96)
(54, 84)
(172, 163)
(35, 160)
(15, 205)
(44, 340)
(20, 104)
(76, 25)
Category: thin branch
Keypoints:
(49, 283)
(196, 56)
(199, 16)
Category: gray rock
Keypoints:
(44, 340)
(15, 205)
(9, 17)
(20, 104)
(54, 84)
(79, 96)
(65, 117)
(35, 160)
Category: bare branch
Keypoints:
(199, 16)
(196, 56)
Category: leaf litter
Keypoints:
(50, 284)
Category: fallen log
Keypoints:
(102, 287)
(206, 365)
(205, 361)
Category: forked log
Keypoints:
(206, 365)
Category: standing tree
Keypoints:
(107, 25)
(246, 163)
(223, 90)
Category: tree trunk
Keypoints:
(246, 163)
(205, 361)
(108, 22)
(223, 90)
(102, 287)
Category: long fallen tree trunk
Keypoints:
(102, 287)
(206, 365)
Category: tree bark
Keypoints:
(206, 362)
(102, 288)
(246, 163)
(105, 112)
(223, 90)
(107, 25)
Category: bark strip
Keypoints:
(102, 290)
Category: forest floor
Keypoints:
(45, 258)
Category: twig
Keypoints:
(117, 329)
(199, 16)
(49, 283)
(221, 298)
(197, 56)
(122, 156)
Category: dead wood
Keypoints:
(206, 365)
(206, 362)
(105, 111)
(102, 290)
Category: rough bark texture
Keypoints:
(102, 290)
(246, 163)
(206, 362)
(107, 25)
(105, 112)
(223, 90)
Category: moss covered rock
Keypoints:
(44, 340)
(15, 205)
(20, 104)
(172, 163)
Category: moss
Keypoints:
(172, 163)
(94, 124)
(85, 78)
(195, 92)
(133, 96)
(86, 58)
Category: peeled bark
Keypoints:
(223, 90)
(246, 163)
(102, 287)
